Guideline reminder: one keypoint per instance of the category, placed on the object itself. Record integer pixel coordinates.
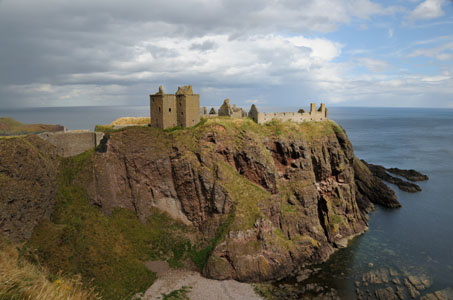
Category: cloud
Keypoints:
(442, 52)
(253, 101)
(374, 65)
(114, 52)
(390, 33)
(428, 9)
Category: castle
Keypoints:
(170, 110)
(183, 109)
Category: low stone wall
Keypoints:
(70, 143)
(292, 116)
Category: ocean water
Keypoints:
(417, 237)
(81, 117)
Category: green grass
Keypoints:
(245, 195)
(200, 257)
(21, 280)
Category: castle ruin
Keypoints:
(298, 117)
(183, 109)
(171, 110)
(231, 111)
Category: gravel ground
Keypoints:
(200, 288)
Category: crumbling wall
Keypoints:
(231, 111)
(298, 117)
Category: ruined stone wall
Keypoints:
(70, 143)
(313, 115)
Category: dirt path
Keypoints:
(200, 288)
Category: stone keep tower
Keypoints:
(188, 106)
(170, 110)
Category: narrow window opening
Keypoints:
(159, 108)
(169, 109)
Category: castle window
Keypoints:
(182, 114)
(159, 108)
(169, 109)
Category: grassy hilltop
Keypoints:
(11, 127)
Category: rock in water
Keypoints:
(386, 294)
(411, 175)
(371, 189)
(381, 172)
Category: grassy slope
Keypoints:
(111, 250)
(9, 126)
(21, 280)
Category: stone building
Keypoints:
(170, 110)
(298, 117)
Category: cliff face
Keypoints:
(28, 182)
(268, 197)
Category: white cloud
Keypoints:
(390, 33)
(442, 52)
(428, 9)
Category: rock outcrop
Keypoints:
(411, 175)
(382, 173)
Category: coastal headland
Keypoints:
(229, 198)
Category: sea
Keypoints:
(416, 238)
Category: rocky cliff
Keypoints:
(282, 194)
(261, 199)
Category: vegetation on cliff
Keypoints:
(109, 250)
(11, 127)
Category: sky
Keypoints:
(267, 52)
